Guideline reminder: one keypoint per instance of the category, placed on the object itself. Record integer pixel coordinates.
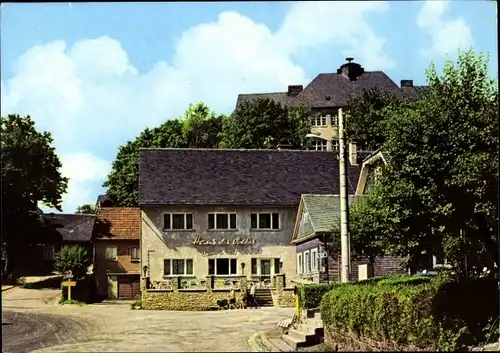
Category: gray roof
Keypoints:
(324, 211)
(70, 227)
(338, 88)
(237, 177)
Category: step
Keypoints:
(314, 322)
(301, 335)
(310, 329)
(293, 342)
(281, 345)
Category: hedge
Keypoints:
(413, 310)
(310, 294)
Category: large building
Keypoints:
(212, 217)
(330, 91)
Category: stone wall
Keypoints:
(283, 297)
(183, 299)
(341, 341)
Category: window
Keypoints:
(265, 221)
(135, 253)
(177, 221)
(111, 253)
(277, 266)
(335, 145)
(177, 267)
(307, 262)
(335, 120)
(314, 260)
(320, 145)
(299, 263)
(254, 266)
(222, 267)
(222, 221)
(49, 253)
(318, 121)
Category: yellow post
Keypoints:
(69, 292)
(297, 308)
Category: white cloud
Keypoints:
(91, 97)
(447, 35)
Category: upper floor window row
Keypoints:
(221, 221)
(321, 120)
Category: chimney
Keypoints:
(353, 153)
(406, 83)
(294, 90)
(351, 70)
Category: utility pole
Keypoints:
(344, 207)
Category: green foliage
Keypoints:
(86, 209)
(412, 310)
(439, 191)
(310, 294)
(74, 258)
(199, 127)
(30, 172)
(365, 118)
(264, 123)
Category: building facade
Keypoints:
(117, 252)
(329, 92)
(218, 219)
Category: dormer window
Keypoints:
(318, 121)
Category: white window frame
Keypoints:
(320, 145)
(435, 263)
(335, 120)
(258, 221)
(115, 252)
(300, 263)
(49, 252)
(184, 273)
(307, 261)
(314, 260)
(131, 251)
(335, 145)
(228, 215)
(171, 214)
(318, 121)
(230, 268)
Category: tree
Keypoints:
(73, 258)
(366, 118)
(199, 127)
(264, 123)
(86, 209)
(31, 173)
(439, 190)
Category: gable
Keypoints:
(370, 168)
(305, 227)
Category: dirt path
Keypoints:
(111, 328)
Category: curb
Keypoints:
(8, 287)
(255, 346)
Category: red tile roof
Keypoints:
(118, 223)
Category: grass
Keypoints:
(72, 302)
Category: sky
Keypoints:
(97, 74)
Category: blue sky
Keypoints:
(96, 74)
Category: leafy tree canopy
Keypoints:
(200, 127)
(86, 209)
(265, 123)
(439, 189)
(73, 258)
(31, 173)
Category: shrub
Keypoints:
(73, 258)
(310, 294)
(422, 311)
(83, 291)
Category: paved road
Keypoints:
(38, 324)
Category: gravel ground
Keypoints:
(36, 323)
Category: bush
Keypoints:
(73, 258)
(422, 311)
(310, 294)
(83, 291)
